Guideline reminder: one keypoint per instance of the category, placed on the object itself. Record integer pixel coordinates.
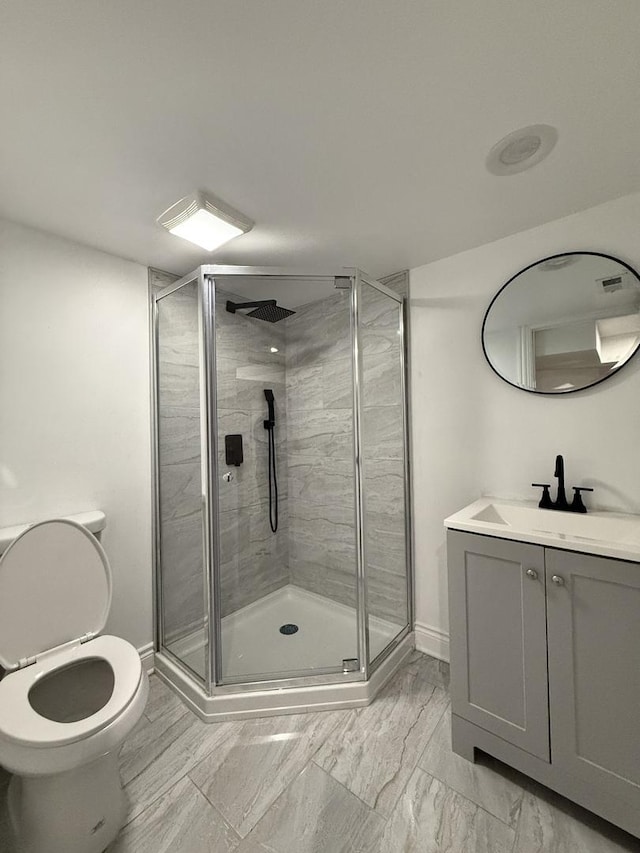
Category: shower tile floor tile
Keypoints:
(380, 779)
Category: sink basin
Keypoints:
(608, 534)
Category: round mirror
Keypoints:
(564, 323)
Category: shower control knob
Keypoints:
(228, 477)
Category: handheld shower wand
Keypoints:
(271, 418)
(270, 426)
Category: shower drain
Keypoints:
(289, 628)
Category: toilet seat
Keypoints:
(21, 724)
(55, 595)
(55, 588)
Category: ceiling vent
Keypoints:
(616, 282)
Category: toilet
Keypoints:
(70, 696)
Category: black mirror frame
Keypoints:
(519, 273)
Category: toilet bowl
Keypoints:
(70, 696)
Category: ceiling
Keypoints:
(352, 133)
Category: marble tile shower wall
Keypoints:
(322, 555)
(254, 560)
(320, 449)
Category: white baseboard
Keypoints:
(432, 641)
(147, 657)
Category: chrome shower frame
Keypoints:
(209, 697)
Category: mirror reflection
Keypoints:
(564, 323)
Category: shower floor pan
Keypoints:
(254, 648)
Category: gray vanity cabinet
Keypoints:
(594, 670)
(545, 667)
(499, 645)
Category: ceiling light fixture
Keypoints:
(522, 149)
(204, 220)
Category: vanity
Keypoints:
(545, 648)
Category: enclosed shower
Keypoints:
(282, 547)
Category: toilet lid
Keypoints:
(55, 587)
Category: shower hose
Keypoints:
(273, 481)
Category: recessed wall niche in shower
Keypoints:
(313, 392)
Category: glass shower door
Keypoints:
(180, 555)
(286, 585)
(384, 471)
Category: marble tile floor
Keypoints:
(380, 779)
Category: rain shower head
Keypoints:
(265, 309)
(270, 312)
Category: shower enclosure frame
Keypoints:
(371, 674)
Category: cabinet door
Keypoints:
(498, 638)
(594, 670)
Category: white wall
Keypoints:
(74, 402)
(473, 434)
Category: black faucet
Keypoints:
(561, 501)
(561, 498)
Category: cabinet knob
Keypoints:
(558, 580)
(531, 573)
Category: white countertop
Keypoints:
(605, 534)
